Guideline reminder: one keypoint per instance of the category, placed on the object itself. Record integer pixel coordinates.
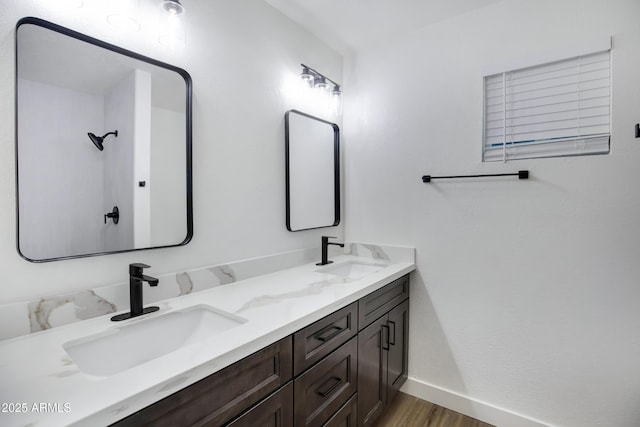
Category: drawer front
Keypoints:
(347, 416)
(323, 389)
(275, 411)
(223, 395)
(381, 301)
(319, 339)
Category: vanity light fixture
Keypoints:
(172, 6)
(307, 76)
(320, 83)
(336, 99)
(317, 80)
(173, 35)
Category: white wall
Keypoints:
(526, 294)
(241, 55)
(56, 157)
(118, 158)
(142, 160)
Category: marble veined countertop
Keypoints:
(41, 385)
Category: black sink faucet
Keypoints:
(325, 246)
(135, 292)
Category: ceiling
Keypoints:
(352, 25)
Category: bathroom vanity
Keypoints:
(336, 371)
(306, 345)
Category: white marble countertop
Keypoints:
(39, 379)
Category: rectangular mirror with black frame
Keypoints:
(103, 147)
(312, 157)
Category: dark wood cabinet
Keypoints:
(372, 372)
(398, 360)
(347, 416)
(326, 374)
(378, 303)
(224, 395)
(324, 388)
(383, 355)
(275, 411)
(317, 340)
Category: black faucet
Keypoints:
(135, 292)
(325, 246)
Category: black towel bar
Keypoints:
(520, 175)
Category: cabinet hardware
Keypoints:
(335, 331)
(336, 382)
(392, 341)
(385, 327)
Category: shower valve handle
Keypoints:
(114, 215)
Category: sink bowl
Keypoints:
(352, 269)
(124, 347)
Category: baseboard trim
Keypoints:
(474, 408)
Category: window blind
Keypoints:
(556, 109)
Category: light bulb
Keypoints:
(320, 83)
(336, 100)
(307, 77)
(172, 6)
(174, 36)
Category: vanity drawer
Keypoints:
(322, 390)
(381, 301)
(224, 395)
(322, 337)
(347, 416)
(276, 410)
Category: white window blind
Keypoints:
(556, 109)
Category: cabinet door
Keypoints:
(398, 349)
(275, 411)
(372, 371)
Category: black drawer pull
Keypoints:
(336, 382)
(334, 331)
(392, 341)
(383, 339)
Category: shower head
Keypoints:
(97, 140)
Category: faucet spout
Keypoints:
(152, 281)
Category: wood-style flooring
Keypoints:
(409, 411)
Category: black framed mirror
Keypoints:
(312, 162)
(103, 147)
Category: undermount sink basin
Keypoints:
(124, 347)
(351, 269)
